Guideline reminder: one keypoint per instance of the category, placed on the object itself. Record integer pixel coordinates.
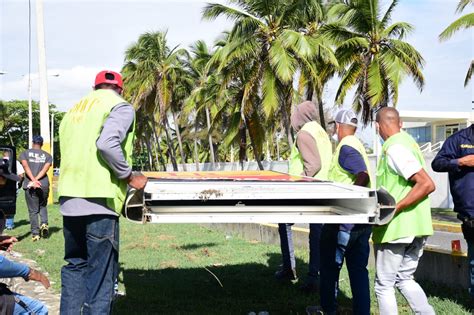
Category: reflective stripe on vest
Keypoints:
(83, 173)
(296, 165)
(413, 221)
(340, 175)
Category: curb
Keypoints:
(447, 227)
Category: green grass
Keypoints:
(166, 269)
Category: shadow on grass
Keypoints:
(52, 230)
(245, 288)
(460, 295)
(196, 246)
(21, 223)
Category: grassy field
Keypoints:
(189, 269)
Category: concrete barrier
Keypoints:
(438, 266)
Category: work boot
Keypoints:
(35, 238)
(44, 230)
(286, 274)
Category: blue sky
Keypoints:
(82, 37)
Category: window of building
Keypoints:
(420, 134)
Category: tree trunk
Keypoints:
(159, 153)
(256, 153)
(309, 92)
(196, 152)
(242, 146)
(180, 143)
(322, 120)
(170, 144)
(150, 158)
(211, 146)
(284, 113)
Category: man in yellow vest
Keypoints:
(310, 156)
(399, 244)
(96, 141)
(350, 165)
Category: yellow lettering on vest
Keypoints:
(467, 146)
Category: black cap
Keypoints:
(38, 140)
(4, 172)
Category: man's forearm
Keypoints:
(443, 164)
(113, 133)
(416, 194)
(28, 172)
(43, 172)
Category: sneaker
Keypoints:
(44, 230)
(35, 238)
(286, 274)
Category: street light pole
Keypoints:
(52, 139)
(30, 114)
(43, 84)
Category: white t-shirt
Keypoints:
(404, 163)
(19, 168)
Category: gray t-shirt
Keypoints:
(36, 160)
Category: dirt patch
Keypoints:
(164, 237)
(168, 264)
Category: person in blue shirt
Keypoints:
(348, 242)
(457, 158)
(11, 302)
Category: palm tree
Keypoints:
(373, 53)
(464, 22)
(267, 41)
(203, 95)
(150, 70)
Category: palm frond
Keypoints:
(281, 61)
(464, 22)
(469, 74)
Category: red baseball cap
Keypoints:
(110, 77)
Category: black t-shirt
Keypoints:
(36, 160)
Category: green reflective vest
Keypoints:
(83, 172)
(413, 221)
(324, 147)
(340, 175)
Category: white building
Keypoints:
(431, 128)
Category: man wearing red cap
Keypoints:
(96, 140)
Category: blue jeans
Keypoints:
(91, 252)
(288, 252)
(286, 245)
(10, 223)
(34, 306)
(356, 254)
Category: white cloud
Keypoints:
(63, 91)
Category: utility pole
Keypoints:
(43, 84)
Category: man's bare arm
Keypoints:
(424, 186)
